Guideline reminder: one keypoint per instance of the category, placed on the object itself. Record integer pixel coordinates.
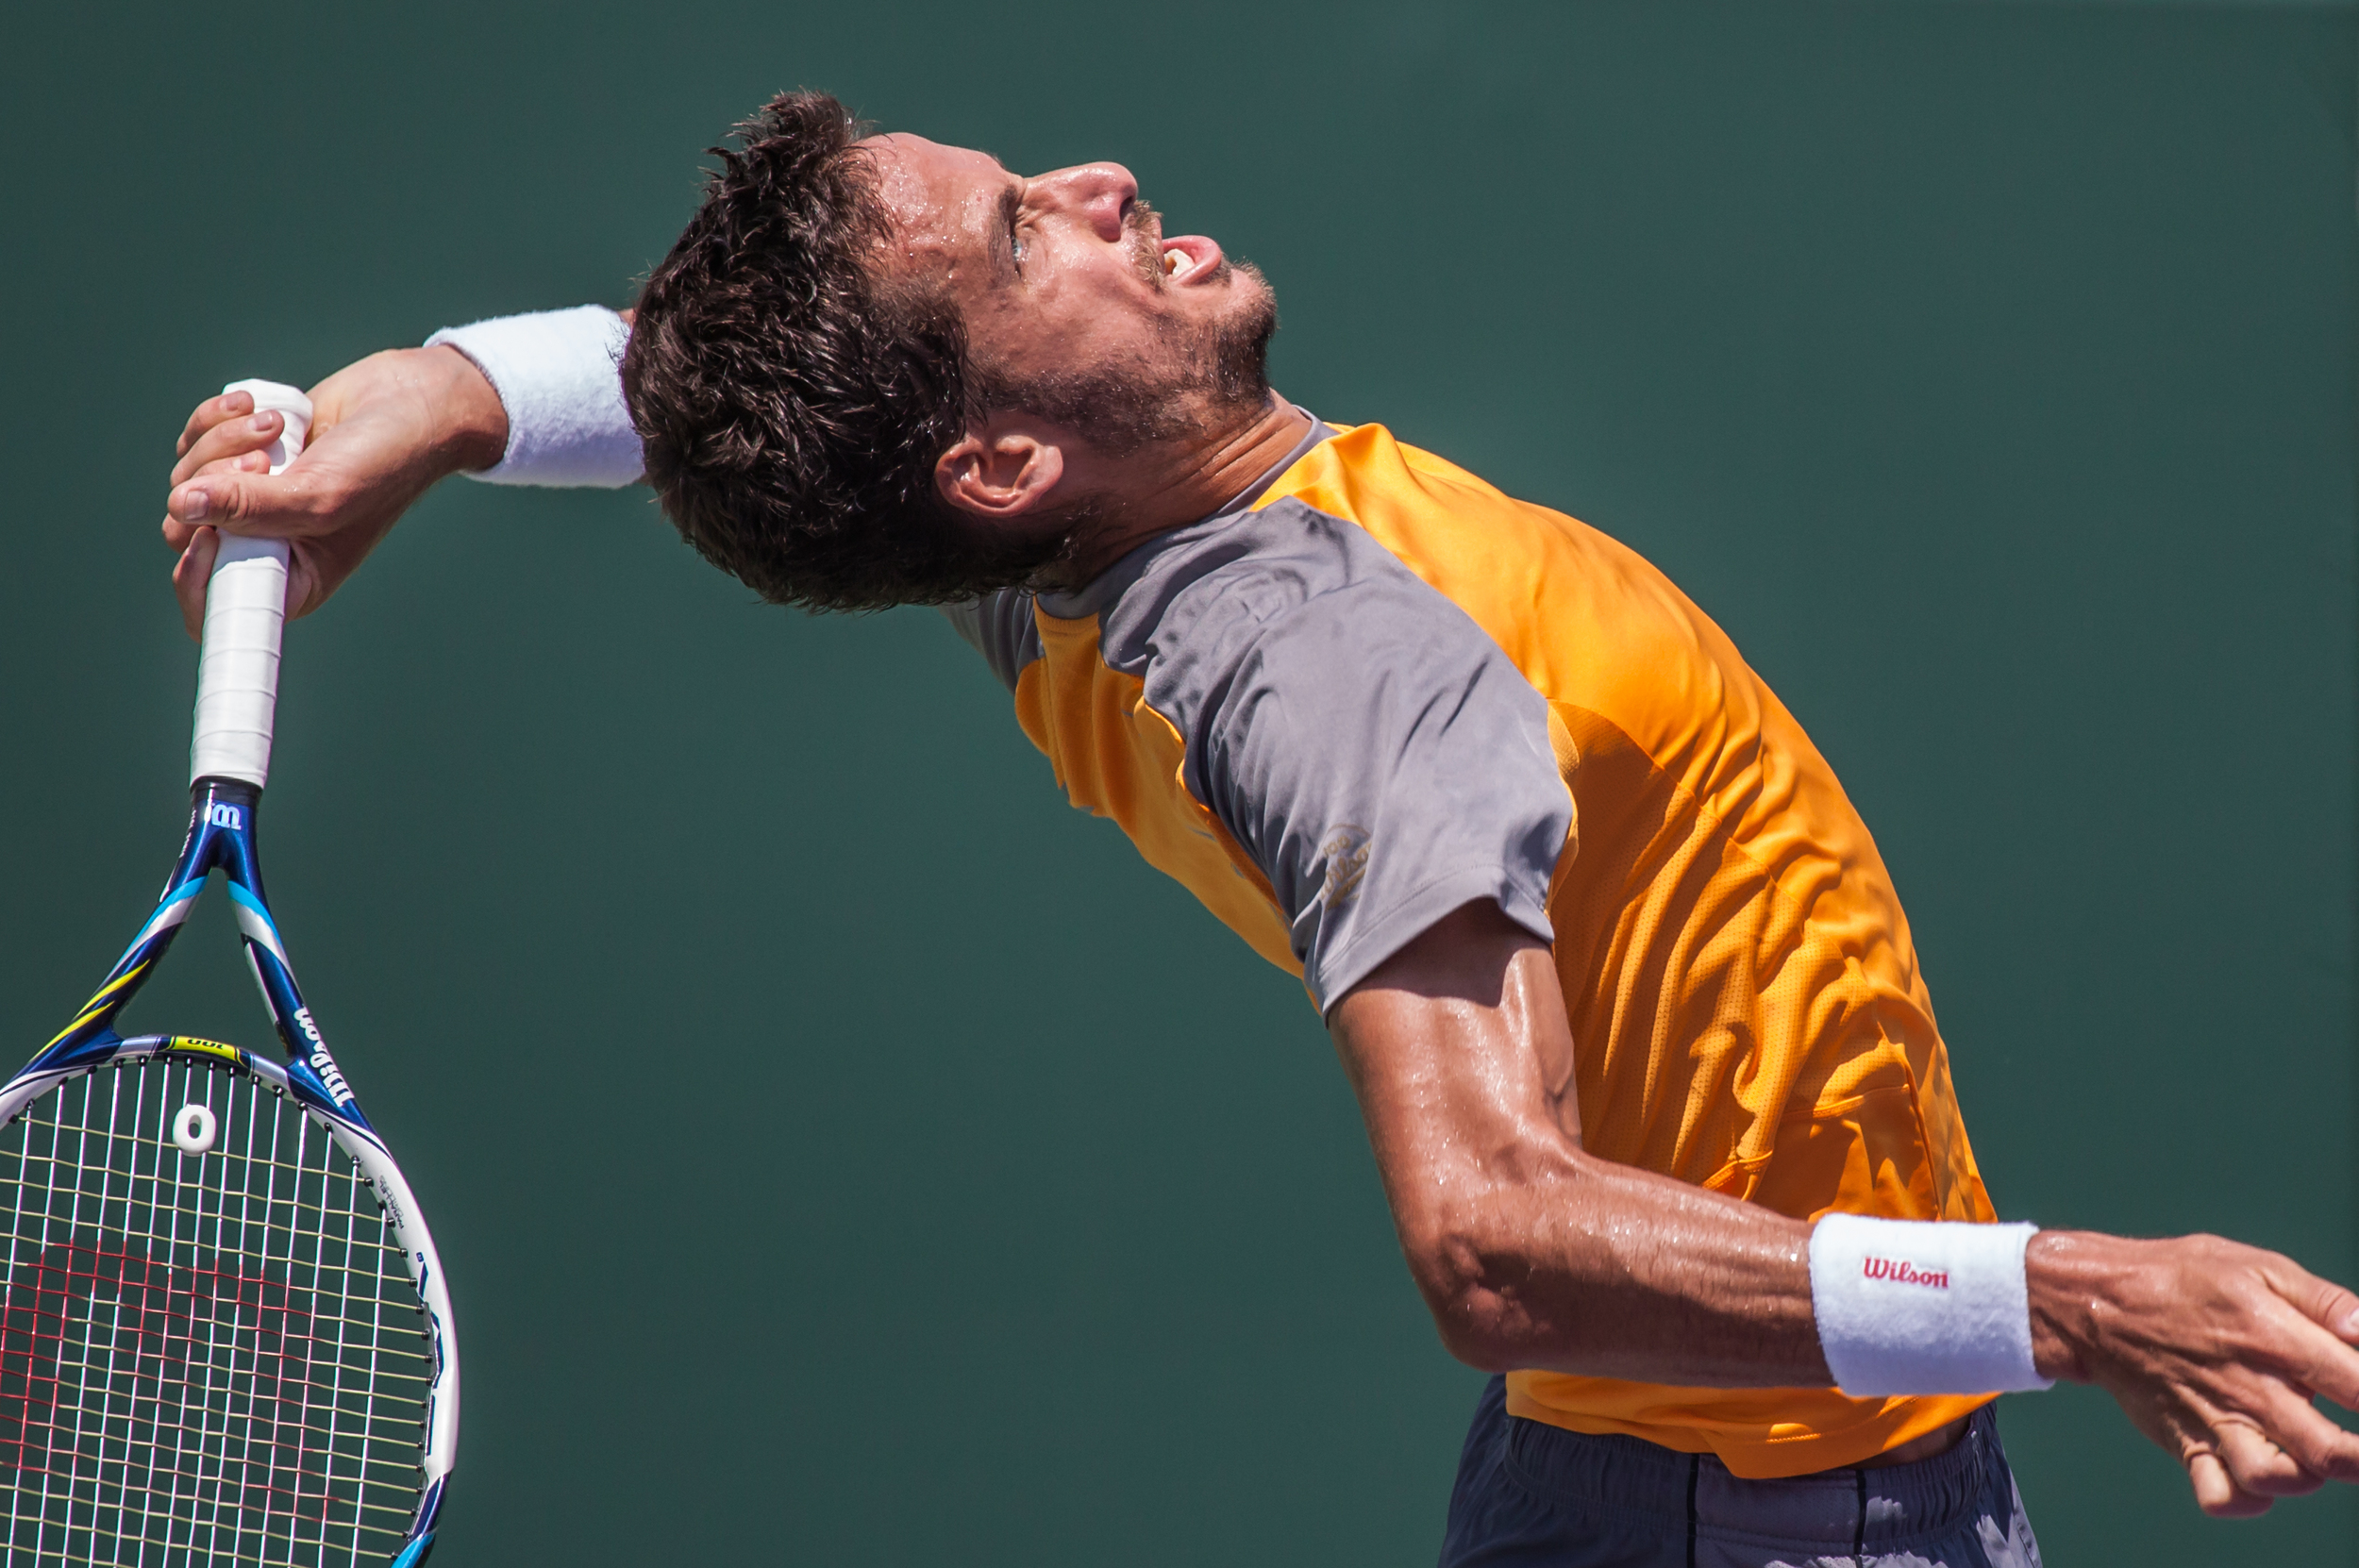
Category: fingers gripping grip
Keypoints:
(245, 606)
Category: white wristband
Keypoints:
(555, 374)
(1922, 1307)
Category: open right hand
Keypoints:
(383, 430)
(2214, 1349)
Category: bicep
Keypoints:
(1530, 1252)
(1460, 1052)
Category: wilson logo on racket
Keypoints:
(322, 1064)
(331, 1076)
(222, 815)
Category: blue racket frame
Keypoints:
(221, 838)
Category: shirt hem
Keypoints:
(1766, 1458)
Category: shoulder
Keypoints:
(1001, 629)
(1369, 747)
(1295, 594)
(1293, 652)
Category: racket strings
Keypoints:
(204, 1358)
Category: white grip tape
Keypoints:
(1922, 1306)
(245, 607)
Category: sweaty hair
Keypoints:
(792, 402)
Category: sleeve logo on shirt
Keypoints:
(1346, 852)
(1904, 1273)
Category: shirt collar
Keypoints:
(1093, 596)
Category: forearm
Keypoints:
(1582, 1265)
(1602, 1269)
(1534, 1252)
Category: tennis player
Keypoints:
(1617, 974)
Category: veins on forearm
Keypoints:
(1611, 1272)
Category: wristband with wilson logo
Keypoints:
(1922, 1306)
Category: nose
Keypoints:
(1098, 193)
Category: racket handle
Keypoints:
(245, 607)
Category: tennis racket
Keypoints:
(225, 1336)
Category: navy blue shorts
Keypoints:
(1532, 1495)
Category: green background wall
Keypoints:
(845, 1152)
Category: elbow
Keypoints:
(1484, 1351)
(1480, 1292)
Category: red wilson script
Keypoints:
(1904, 1273)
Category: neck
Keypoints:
(1170, 485)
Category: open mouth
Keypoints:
(1191, 258)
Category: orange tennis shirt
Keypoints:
(1378, 689)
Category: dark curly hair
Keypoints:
(792, 401)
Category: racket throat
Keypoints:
(218, 804)
(223, 818)
(222, 836)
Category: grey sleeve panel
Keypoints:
(1001, 629)
(1367, 745)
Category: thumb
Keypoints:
(191, 576)
(270, 504)
(304, 590)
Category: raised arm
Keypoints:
(521, 400)
(385, 429)
(1534, 1253)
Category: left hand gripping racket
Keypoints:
(225, 1336)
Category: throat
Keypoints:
(1167, 487)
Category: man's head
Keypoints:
(879, 370)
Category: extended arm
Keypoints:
(388, 428)
(1532, 1253)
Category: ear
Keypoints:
(1000, 471)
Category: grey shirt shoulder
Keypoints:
(1369, 745)
(1001, 629)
